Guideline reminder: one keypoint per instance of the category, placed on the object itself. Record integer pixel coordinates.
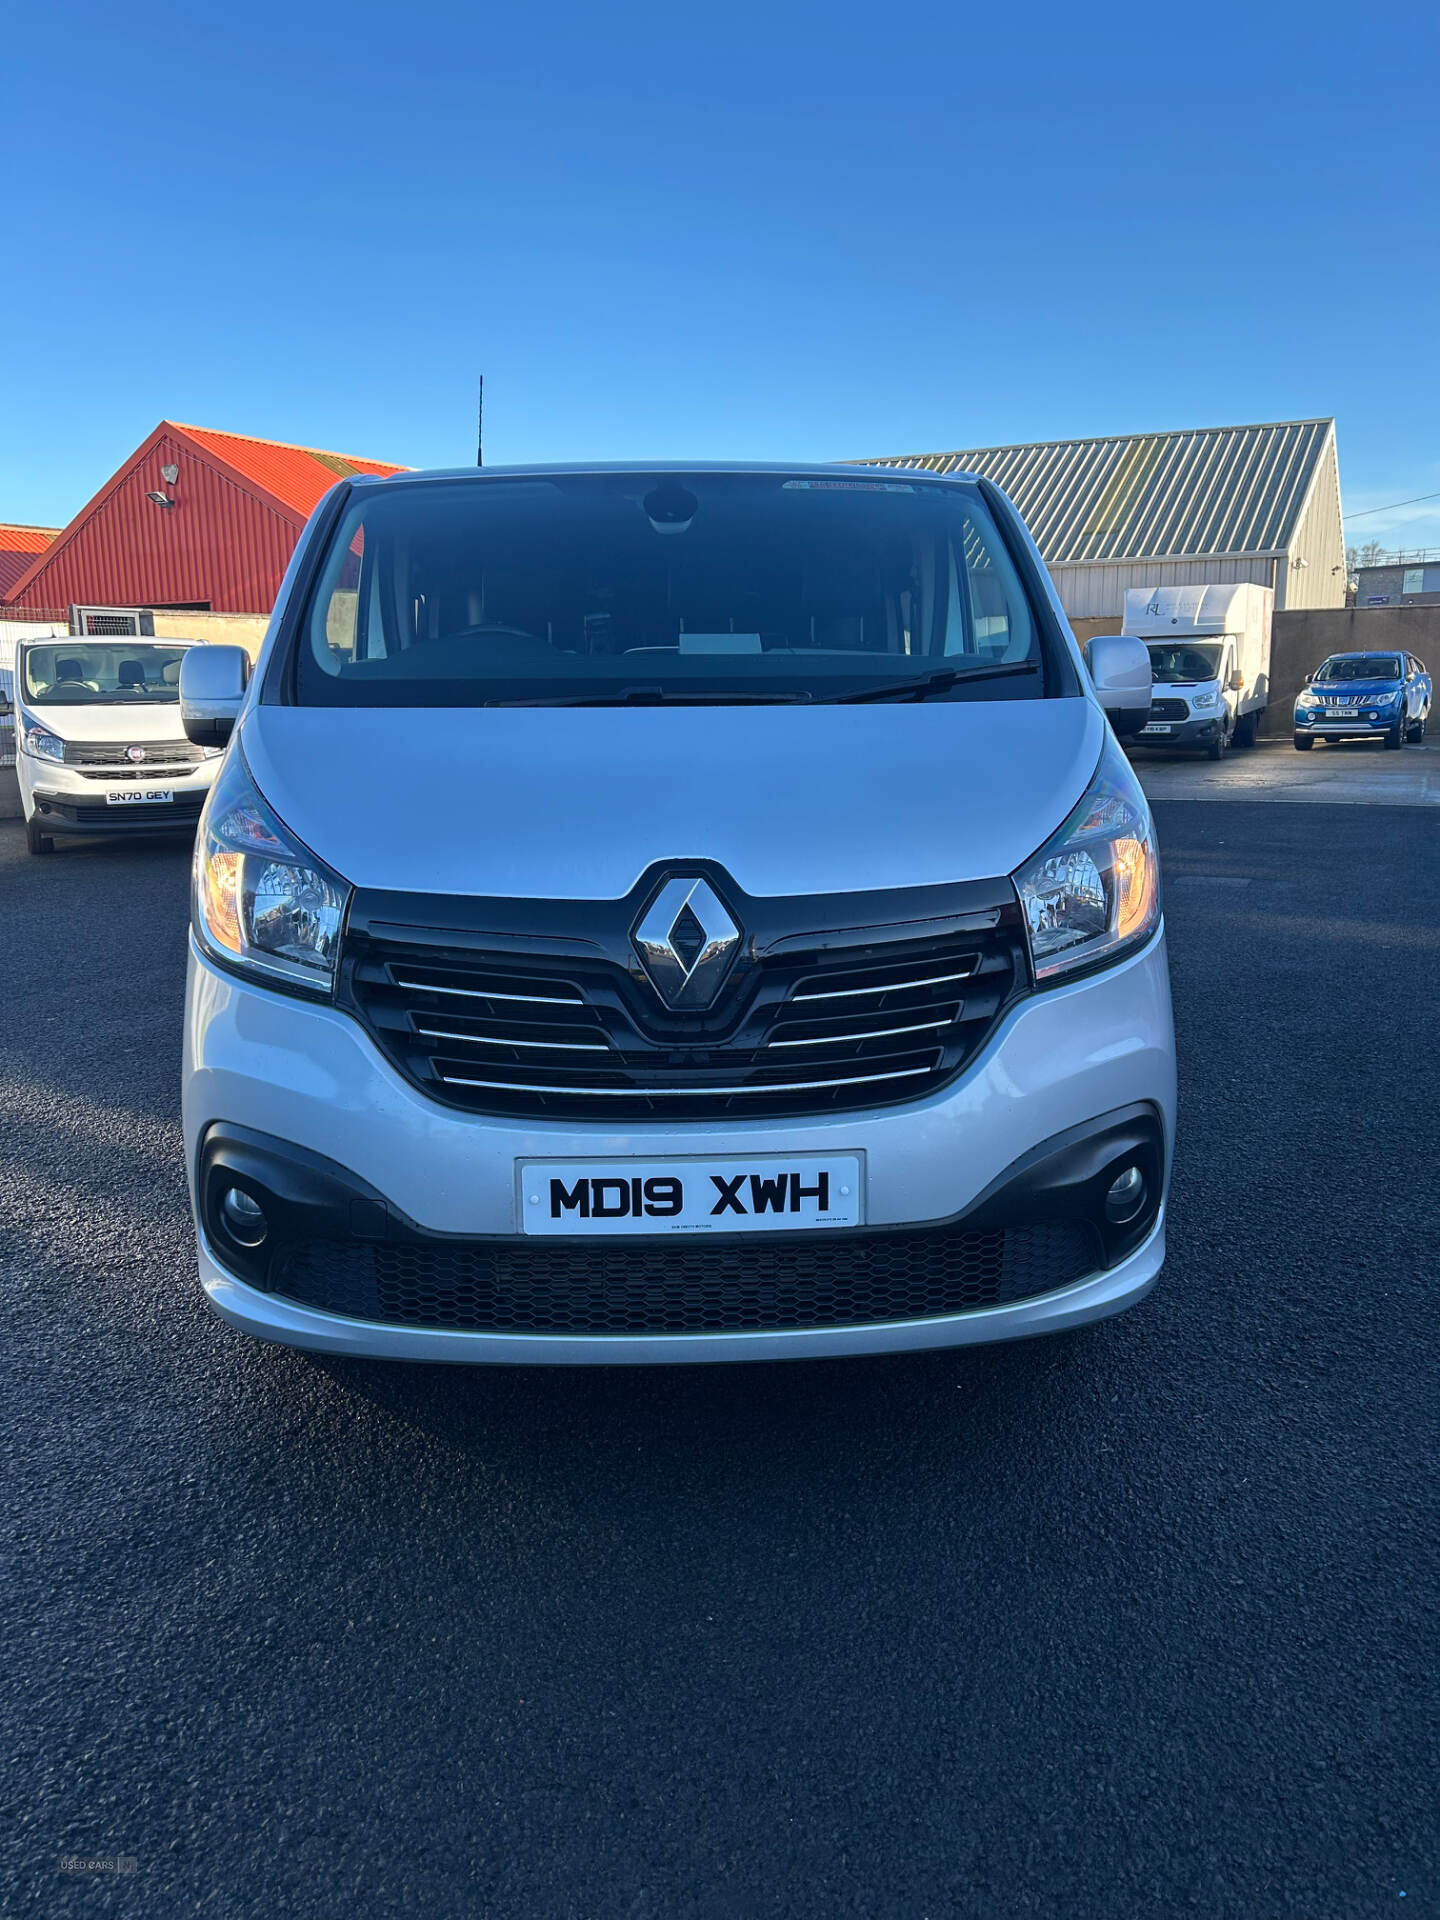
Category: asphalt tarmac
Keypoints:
(1138, 1621)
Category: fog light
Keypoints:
(1126, 1197)
(244, 1218)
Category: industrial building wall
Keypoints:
(1098, 592)
(1320, 543)
(220, 543)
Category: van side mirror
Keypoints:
(1120, 668)
(1235, 682)
(212, 689)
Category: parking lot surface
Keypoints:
(1138, 1621)
(1358, 773)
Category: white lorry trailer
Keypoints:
(1209, 662)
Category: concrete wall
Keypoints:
(225, 629)
(1302, 639)
(1102, 623)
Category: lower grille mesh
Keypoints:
(754, 1284)
(183, 812)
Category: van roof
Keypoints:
(831, 470)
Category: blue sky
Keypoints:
(768, 230)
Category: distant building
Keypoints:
(1202, 507)
(1399, 583)
(18, 548)
(194, 520)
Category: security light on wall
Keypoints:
(170, 475)
(160, 499)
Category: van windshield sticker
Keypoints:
(846, 486)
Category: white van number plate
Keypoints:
(785, 1191)
(1155, 726)
(135, 796)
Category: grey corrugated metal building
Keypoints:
(1199, 507)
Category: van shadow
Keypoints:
(656, 1427)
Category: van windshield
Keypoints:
(1170, 664)
(1368, 666)
(666, 586)
(83, 673)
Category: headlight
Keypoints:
(1093, 891)
(261, 900)
(1203, 699)
(45, 746)
(1307, 699)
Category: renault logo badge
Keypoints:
(686, 941)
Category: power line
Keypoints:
(1367, 511)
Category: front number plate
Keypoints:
(588, 1198)
(139, 796)
(1155, 726)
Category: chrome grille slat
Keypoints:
(892, 986)
(879, 1033)
(687, 1093)
(497, 1040)
(475, 993)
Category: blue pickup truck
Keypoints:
(1357, 696)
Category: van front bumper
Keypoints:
(64, 800)
(1183, 733)
(1073, 1082)
(1329, 726)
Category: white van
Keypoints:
(1210, 660)
(99, 747)
(671, 915)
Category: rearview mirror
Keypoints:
(1235, 682)
(1120, 668)
(212, 689)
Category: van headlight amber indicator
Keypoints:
(263, 902)
(1092, 892)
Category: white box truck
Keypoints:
(1209, 663)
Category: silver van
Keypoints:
(673, 914)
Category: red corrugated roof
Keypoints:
(298, 476)
(18, 548)
(230, 552)
(17, 539)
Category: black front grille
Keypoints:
(737, 1285)
(111, 753)
(809, 1022)
(154, 774)
(1169, 710)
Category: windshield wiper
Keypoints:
(652, 695)
(929, 684)
(655, 696)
